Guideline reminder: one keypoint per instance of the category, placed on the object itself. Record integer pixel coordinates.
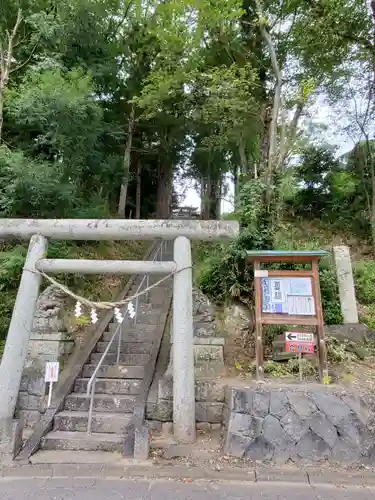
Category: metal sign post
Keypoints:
(289, 297)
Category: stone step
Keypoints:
(125, 359)
(126, 347)
(133, 334)
(149, 320)
(159, 301)
(109, 386)
(114, 371)
(102, 403)
(81, 441)
(77, 421)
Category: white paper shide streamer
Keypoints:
(118, 316)
(131, 310)
(78, 309)
(94, 316)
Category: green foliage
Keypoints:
(315, 164)
(279, 369)
(231, 106)
(275, 369)
(224, 275)
(345, 351)
(330, 294)
(11, 264)
(308, 367)
(59, 111)
(2, 345)
(367, 317)
(364, 281)
(336, 350)
(336, 190)
(32, 188)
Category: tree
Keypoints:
(314, 173)
(24, 27)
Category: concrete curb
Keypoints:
(131, 469)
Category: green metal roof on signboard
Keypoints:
(287, 253)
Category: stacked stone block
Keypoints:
(304, 426)
(48, 342)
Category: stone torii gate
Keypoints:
(39, 230)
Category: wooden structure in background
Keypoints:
(311, 258)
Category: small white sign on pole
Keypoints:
(51, 376)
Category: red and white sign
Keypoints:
(299, 342)
(52, 372)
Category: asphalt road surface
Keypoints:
(112, 489)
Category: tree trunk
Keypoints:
(1, 112)
(213, 198)
(138, 191)
(125, 179)
(164, 190)
(207, 198)
(218, 198)
(236, 187)
(6, 58)
(203, 197)
(242, 154)
(264, 140)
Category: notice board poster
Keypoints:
(288, 296)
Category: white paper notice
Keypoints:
(299, 286)
(287, 296)
(277, 291)
(301, 306)
(260, 273)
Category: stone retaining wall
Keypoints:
(209, 402)
(48, 342)
(304, 425)
(208, 364)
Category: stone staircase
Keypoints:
(117, 387)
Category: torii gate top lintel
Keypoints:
(118, 229)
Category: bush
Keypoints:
(11, 264)
(365, 282)
(30, 188)
(330, 294)
(224, 275)
(2, 345)
(280, 369)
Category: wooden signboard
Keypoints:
(288, 298)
